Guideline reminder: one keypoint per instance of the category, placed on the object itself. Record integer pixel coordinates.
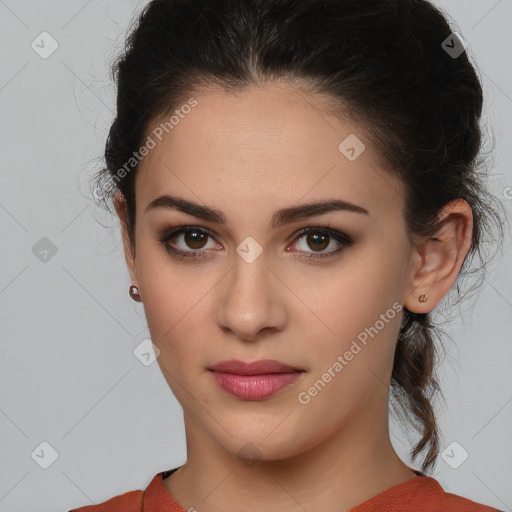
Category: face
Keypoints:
(223, 275)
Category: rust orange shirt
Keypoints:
(420, 494)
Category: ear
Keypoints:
(129, 252)
(437, 260)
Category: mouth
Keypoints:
(255, 380)
(261, 367)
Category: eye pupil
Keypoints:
(194, 237)
(315, 237)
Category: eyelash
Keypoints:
(164, 239)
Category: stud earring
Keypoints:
(135, 294)
(423, 298)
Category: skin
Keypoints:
(248, 155)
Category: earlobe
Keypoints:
(439, 258)
(120, 206)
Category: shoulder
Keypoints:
(153, 497)
(453, 502)
(136, 501)
(447, 502)
(127, 502)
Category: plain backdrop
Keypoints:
(68, 374)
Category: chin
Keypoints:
(268, 441)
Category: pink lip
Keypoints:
(260, 367)
(256, 380)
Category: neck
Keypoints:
(347, 469)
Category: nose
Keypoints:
(253, 301)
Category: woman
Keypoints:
(297, 187)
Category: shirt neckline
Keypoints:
(157, 499)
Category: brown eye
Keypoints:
(187, 242)
(191, 242)
(195, 239)
(317, 241)
(313, 242)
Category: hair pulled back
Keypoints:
(381, 61)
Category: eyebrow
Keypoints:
(280, 217)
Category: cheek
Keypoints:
(346, 297)
(175, 305)
(163, 298)
(172, 318)
(357, 309)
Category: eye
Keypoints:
(320, 239)
(194, 242)
(192, 237)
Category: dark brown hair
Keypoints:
(383, 62)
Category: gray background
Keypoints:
(68, 373)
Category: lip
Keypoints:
(255, 380)
(261, 367)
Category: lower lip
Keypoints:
(254, 387)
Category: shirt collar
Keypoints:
(156, 498)
(418, 491)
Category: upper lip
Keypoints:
(260, 367)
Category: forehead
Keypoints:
(266, 144)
